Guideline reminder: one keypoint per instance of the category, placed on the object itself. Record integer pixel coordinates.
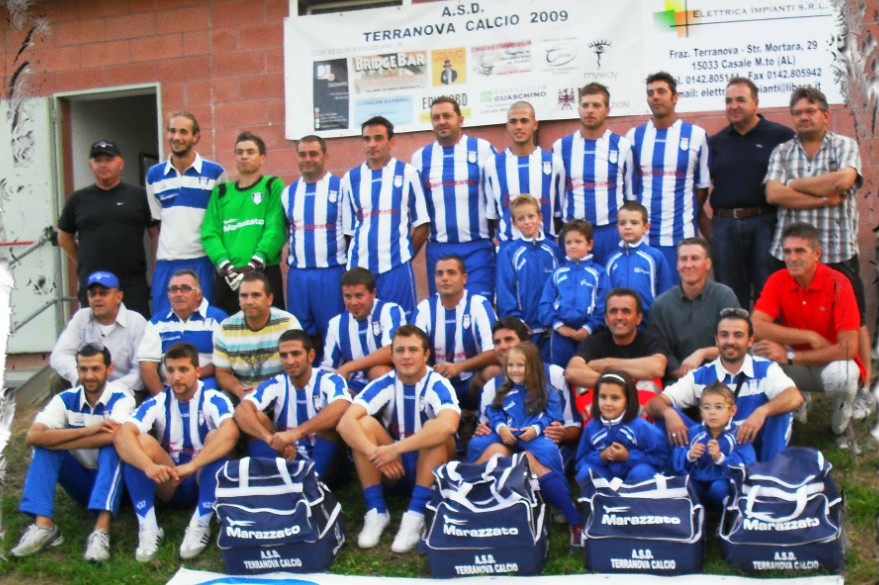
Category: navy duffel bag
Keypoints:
(784, 514)
(275, 515)
(486, 519)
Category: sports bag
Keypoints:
(650, 527)
(784, 514)
(486, 519)
(275, 515)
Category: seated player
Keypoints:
(296, 412)
(713, 447)
(72, 439)
(399, 428)
(358, 341)
(192, 433)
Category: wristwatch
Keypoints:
(790, 357)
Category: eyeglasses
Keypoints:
(181, 288)
(807, 111)
(714, 407)
(734, 312)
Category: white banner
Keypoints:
(341, 69)
(188, 577)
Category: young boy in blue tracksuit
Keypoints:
(523, 267)
(713, 447)
(572, 302)
(638, 265)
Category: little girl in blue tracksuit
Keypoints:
(713, 447)
(572, 303)
(617, 442)
(522, 409)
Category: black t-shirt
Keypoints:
(600, 345)
(110, 226)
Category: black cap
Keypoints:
(104, 147)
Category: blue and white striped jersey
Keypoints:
(381, 208)
(179, 202)
(671, 165)
(404, 408)
(349, 339)
(453, 186)
(163, 331)
(459, 333)
(71, 410)
(314, 223)
(598, 176)
(182, 427)
(540, 174)
(289, 406)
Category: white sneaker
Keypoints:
(148, 541)
(97, 547)
(863, 405)
(411, 527)
(37, 538)
(846, 441)
(374, 523)
(195, 540)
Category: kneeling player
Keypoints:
(193, 431)
(304, 405)
(417, 415)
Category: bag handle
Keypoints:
(801, 496)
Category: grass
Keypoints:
(857, 476)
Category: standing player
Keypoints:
(243, 228)
(193, 431)
(671, 180)
(451, 170)
(178, 191)
(524, 168)
(598, 171)
(385, 214)
(318, 251)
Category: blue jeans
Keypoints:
(740, 253)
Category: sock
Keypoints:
(323, 454)
(142, 491)
(420, 496)
(555, 490)
(375, 499)
(207, 489)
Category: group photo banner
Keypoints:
(341, 69)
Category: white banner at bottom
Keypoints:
(189, 577)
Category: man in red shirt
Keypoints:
(816, 337)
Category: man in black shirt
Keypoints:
(101, 228)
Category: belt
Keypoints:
(743, 212)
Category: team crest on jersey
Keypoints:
(333, 196)
(257, 197)
(685, 143)
(466, 321)
(547, 168)
(471, 156)
(376, 327)
(613, 156)
(398, 181)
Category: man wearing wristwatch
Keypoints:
(815, 337)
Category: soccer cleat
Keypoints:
(148, 541)
(864, 405)
(411, 527)
(374, 523)
(195, 540)
(846, 441)
(37, 538)
(97, 547)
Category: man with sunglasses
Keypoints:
(765, 395)
(106, 321)
(190, 319)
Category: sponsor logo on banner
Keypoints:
(800, 524)
(599, 47)
(239, 532)
(453, 527)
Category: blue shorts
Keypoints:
(165, 269)
(479, 262)
(398, 286)
(314, 297)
